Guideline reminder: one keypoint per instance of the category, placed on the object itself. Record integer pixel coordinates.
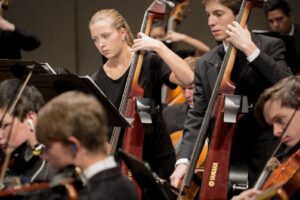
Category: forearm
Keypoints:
(181, 72)
(197, 44)
(27, 41)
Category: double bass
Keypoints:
(216, 172)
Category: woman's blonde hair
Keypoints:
(118, 21)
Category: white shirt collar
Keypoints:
(291, 33)
(100, 166)
(226, 46)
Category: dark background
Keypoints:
(62, 26)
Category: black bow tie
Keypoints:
(221, 51)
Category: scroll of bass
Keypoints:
(3, 6)
(215, 179)
(284, 180)
(172, 97)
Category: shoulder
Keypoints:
(152, 61)
(297, 30)
(211, 54)
(269, 44)
(97, 72)
(259, 38)
(210, 59)
(151, 57)
(110, 181)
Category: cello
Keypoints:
(215, 180)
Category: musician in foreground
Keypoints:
(278, 107)
(17, 132)
(73, 128)
(260, 63)
(113, 39)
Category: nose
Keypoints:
(277, 130)
(211, 21)
(188, 93)
(2, 138)
(1, 133)
(275, 24)
(99, 43)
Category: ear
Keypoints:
(30, 120)
(32, 116)
(75, 144)
(123, 33)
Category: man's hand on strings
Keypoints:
(240, 38)
(178, 174)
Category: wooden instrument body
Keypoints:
(286, 176)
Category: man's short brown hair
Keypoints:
(233, 5)
(287, 91)
(73, 114)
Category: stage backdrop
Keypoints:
(62, 26)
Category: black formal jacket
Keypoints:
(250, 78)
(109, 185)
(12, 42)
(297, 43)
(174, 117)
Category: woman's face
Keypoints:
(108, 40)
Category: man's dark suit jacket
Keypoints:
(297, 44)
(251, 79)
(109, 185)
(174, 117)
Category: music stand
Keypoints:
(53, 85)
(19, 68)
(148, 180)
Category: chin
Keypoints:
(219, 38)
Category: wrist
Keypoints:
(249, 49)
(182, 161)
(159, 47)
